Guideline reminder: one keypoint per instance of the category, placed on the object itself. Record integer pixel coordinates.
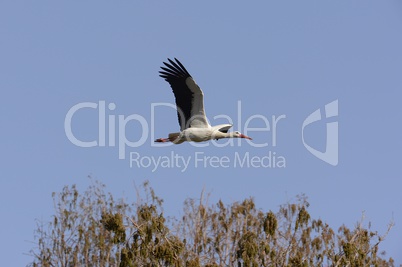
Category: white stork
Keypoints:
(193, 123)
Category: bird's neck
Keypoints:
(220, 135)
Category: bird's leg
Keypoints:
(162, 140)
(174, 136)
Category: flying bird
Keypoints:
(193, 123)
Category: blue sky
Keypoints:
(277, 58)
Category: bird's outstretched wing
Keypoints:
(189, 96)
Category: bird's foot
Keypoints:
(162, 140)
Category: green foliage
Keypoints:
(92, 229)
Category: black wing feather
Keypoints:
(176, 75)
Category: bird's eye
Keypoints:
(237, 132)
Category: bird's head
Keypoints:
(237, 134)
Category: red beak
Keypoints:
(245, 136)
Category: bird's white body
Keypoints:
(201, 134)
(194, 125)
